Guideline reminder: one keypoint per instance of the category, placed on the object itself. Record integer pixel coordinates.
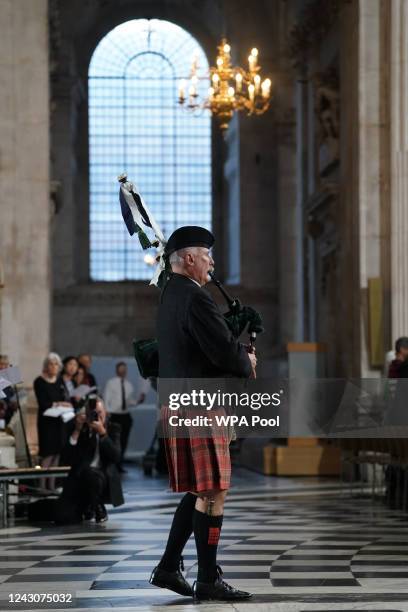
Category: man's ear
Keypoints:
(190, 258)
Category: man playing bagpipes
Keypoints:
(195, 341)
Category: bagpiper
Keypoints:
(195, 342)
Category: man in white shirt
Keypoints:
(118, 398)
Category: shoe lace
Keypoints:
(181, 563)
(225, 584)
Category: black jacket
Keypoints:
(194, 339)
(82, 453)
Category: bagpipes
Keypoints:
(239, 317)
(135, 213)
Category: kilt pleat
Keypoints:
(197, 463)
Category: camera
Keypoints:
(90, 408)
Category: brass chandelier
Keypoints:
(232, 88)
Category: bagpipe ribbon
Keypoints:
(136, 213)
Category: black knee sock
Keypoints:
(207, 529)
(180, 531)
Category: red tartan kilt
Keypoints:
(197, 464)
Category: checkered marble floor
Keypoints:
(296, 544)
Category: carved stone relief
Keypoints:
(327, 109)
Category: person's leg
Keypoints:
(121, 420)
(180, 531)
(92, 482)
(167, 574)
(52, 479)
(43, 480)
(68, 506)
(46, 462)
(124, 434)
(116, 418)
(207, 523)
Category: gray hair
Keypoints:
(52, 357)
(177, 257)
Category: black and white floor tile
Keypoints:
(296, 544)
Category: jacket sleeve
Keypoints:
(109, 446)
(41, 393)
(209, 329)
(69, 452)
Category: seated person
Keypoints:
(8, 405)
(93, 452)
(398, 367)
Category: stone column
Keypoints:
(24, 183)
(399, 167)
(311, 187)
(369, 162)
(301, 195)
(366, 134)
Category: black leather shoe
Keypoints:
(218, 590)
(88, 513)
(174, 581)
(100, 514)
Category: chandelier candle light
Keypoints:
(232, 88)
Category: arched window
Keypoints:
(136, 126)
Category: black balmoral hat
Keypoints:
(189, 236)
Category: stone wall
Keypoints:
(103, 317)
(24, 183)
(342, 54)
(398, 47)
(312, 228)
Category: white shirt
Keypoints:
(194, 281)
(113, 395)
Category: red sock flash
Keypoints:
(213, 535)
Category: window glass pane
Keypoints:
(136, 126)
